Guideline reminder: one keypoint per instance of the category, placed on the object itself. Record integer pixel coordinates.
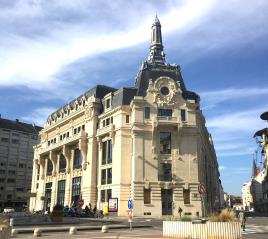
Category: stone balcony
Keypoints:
(105, 130)
(166, 120)
(73, 139)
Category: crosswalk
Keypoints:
(255, 229)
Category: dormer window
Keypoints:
(108, 103)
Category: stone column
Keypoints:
(99, 170)
(39, 205)
(83, 148)
(69, 155)
(34, 182)
(53, 158)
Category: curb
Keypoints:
(80, 228)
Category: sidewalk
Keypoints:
(63, 228)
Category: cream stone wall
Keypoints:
(136, 159)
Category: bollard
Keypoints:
(11, 222)
(37, 232)
(105, 228)
(72, 231)
(14, 233)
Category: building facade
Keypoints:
(247, 196)
(260, 181)
(148, 143)
(16, 153)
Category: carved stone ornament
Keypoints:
(88, 113)
(164, 90)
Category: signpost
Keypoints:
(202, 191)
(130, 212)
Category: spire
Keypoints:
(157, 54)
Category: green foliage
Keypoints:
(185, 219)
(174, 218)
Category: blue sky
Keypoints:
(53, 51)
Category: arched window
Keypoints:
(49, 167)
(78, 159)
(62, 163)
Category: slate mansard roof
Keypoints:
(19, 126)
(151, 69)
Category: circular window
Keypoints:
(164, 90)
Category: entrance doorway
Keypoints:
(167, 199)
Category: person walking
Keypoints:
(180, 211)
(242, 219)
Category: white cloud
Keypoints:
(34, 61)
(247, 120)
(39, 115)
(211, 98)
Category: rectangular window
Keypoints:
(186, 196)
(127, 119)
(103, 176)
(11, 172)
(112, 120)
(110, 152)
(75, 131)
(164, 112)
(5, 140)
(147, 196)
(183, 115)
(165, 143)
(108, 103)
(147, 112)
(15, 141)
(78, 159)
(83, 128)
(103, 123)
(109, 175)
(104, 152)
(76, 188)
(107, 152)
(109, 194)
(61, 192)
(165, 172)
(11, 180)
(102, 195)
(107, 121)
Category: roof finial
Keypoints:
(156, 49)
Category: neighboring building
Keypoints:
(16, 155)
(148, 143)
(222, 198)
(247, 197)
(261, 204)
(256, 189)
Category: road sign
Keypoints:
(129, 204)
(201, 188)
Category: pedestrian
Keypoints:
(242, 219)
(180, 211)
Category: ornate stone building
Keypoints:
(259, 185)
(148, 143)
